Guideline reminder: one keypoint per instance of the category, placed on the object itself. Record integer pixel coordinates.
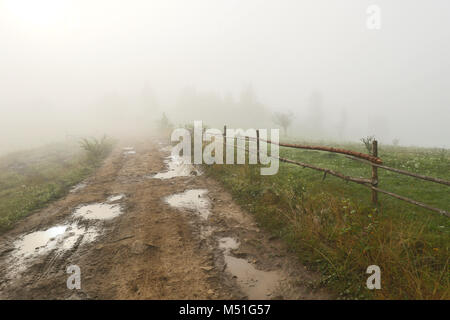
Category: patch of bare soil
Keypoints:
(139, 235)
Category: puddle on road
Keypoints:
(128, 150)
(177, 167)
(64, 236)
(98, 211)
(256, 284)
(59, 238)
(228, 244)
(78, 187)
(115, 198)
(192, 200)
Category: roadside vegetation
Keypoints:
(333, 228)
(29, 180)
(96, 150)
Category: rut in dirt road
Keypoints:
(148, 226)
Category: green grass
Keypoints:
(29, 180)
(332, 226)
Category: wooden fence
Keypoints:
(370, 159)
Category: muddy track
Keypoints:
(177, 238)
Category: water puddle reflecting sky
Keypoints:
(256, 284)
(191, 200)
(58, 238)
(98, 211)
(177, 167)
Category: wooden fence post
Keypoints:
(257, 146)
(225, 144)
(374, 173)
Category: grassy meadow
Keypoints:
(30, 179)
(333, 228)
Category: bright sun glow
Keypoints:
(37, 12)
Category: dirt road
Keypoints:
(148, 227)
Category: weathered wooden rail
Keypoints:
(370, 159)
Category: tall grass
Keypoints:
(96, 150)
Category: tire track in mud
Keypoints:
(154, 250)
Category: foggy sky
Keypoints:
(61, 60)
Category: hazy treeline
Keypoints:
(310, 118)
(121, 115)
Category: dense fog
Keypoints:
(85, 68)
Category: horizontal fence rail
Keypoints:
(372, 160)
(417, 203)
(327, 171)
(329, 149)
(415, 175)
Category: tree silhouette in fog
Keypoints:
(283, 119)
